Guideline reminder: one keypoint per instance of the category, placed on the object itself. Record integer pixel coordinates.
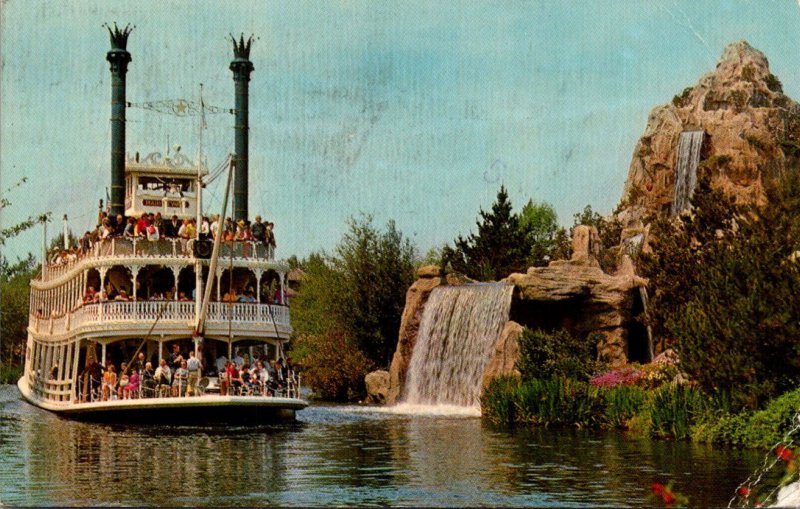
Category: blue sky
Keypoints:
(414, 111)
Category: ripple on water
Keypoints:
(345, 455)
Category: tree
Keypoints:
(540, 223)
(499, 247)
(356, 295)
(726, 281)
(15, 286)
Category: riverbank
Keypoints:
(672, 411)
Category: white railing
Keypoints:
(162, 248)
(148, 311)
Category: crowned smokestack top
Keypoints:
(241, 67)
(119, 58)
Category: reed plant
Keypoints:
(673, 410)
(622, 403)
(498, 401)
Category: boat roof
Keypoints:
(156, 163)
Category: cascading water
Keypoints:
(689, 145)
(457, 333)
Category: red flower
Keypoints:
(668, 497)
(784, 453)
(743, 491)
(658, 488)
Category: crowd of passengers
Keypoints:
(180, 375)
(151, 226)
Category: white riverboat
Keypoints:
(123, 298)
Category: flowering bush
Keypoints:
(626, 376)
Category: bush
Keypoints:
(333, 367)
(555, 354)
(10, 373)
(673, 410)
(498, 400)
(622, 403)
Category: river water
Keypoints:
(346, 455)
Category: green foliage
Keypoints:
(673, 410)
(359, 294)
(333, 366)
(622, 403)
(499, 248)
(540, 223)
(15, 297)
(682, 100)
(10, 373)
(498, 400)
(727, 291)
(559, 401)
(545, 354)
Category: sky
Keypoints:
(411, 111)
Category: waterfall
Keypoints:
(457, 334)
(689, 145)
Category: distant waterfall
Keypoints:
(457, 334)
(689, 145)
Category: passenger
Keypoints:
(221, 363)
(158, 222)
(138, 364)
(229, 231)
(131, 391)
(171, 227)
(175, 358)
(90, 295)
(124, 379)
(179, 380)
(86, 244)
(238, 360)
(152, 232)
(205, 229)
(119, 225)
(109, 382)
(245, 377)
(141, 225)
(122, 296)
(230, 296)
(262, 375)
(106, 230)
(148, 381)
(195, 370)
(214, 227)
(183, 298)
(234, 378)
(163, 376)
(258, 230)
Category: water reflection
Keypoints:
(344, 456)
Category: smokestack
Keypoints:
(119, 58)
(241, 67)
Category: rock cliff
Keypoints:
(752, 133)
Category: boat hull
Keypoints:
(207, 409)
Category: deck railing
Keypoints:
(162, 248)
(147, 311)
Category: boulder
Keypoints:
(429, 271)
(752, 133)
(377, 384)
(506, 353)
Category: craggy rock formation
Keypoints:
(377, 384)
(506, 353)
(578, 296)
(752, 133)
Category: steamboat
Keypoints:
(161, 315)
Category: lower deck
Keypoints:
(208, 408)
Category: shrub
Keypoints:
(498, 400)
(673, 410)
(628, 375)
(333, 366)
(622, 403)
(545, 354)
(10, 373)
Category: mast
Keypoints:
(212, 266)
(118, 57)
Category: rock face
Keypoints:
(506, 353)
(377, 384)
(416, 297)
(752, 133)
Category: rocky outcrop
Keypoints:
(377, 384)
(417, 295)
(506, 353)
(752, 133)
(578, 296)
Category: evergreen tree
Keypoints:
(500, 246)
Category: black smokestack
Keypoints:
(241, 67)
(119, 58)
